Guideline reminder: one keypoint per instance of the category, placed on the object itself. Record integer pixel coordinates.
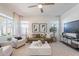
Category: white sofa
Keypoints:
(19, 43)
(14, 43)
(67, 40)
(6, 50)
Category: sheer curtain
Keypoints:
(6, 26)
(24, 26)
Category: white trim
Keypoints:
(4, 15)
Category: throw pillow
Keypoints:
(14, 40)
(19, 38)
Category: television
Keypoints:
(71, 27)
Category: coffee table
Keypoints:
(34, 50)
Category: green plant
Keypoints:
(53, 29)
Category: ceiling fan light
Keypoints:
(40, 6)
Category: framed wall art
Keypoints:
(35, 27)
(43, 27)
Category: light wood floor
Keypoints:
(58, 49)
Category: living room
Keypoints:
(23, 25)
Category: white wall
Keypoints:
(35, 19)
(42, 19)
(5, 11)
(8, 13)
(70, 15)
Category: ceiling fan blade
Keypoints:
(32, 6)
(41, 10)
(48, 3)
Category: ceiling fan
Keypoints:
(40, 6)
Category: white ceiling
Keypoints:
(49, 10)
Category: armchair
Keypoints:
(6, 50)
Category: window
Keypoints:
(1, 18)
(5, 25)
(9, 26)
(24, 26)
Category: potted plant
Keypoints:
(53, 29)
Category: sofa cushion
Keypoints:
(14, 40)
(5, 43)
(43, 35)
(71, 34)
(36, 35)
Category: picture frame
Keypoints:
(43, 27)
(35, 27)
